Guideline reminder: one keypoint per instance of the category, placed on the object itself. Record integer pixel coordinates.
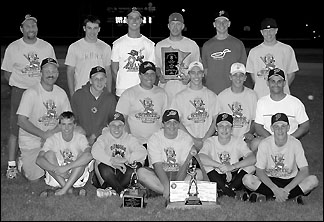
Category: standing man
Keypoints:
(21, 66)
(270, 54)
(220, 52)
(187, 50)
(38, 113)
(128, 52)
(85, 54)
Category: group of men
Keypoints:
(123, 109)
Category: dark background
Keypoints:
(60, 22)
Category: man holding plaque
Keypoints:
(173, 55)
(168, 150)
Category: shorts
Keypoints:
(49, 180)
(172, 175)
(16, 94)
(31, 170)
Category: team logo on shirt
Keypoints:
(148, 115)
(220, 55)
(67, 155)
(279, 169)
(118, 150)
(224, 157)
(50, 118)
(33, 68)
(134, 60)
(171, 163)
(200, 114)
(269, 62)
(239, 120)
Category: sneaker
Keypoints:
(121, 194)
(12, 172)
(103, 193)
(254, 197)
(243, 196)
(112, 191)
(299, 200)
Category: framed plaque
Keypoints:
(172, 62)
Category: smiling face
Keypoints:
(98, 81)
(224, 129)
(67, 126)
(222, 25)
(238, 79)
(276, 84)
(50, 74)
(147, 79)
(134, 20)
(116, 128)
(196, 75)
(91, 31)
(29, 29)
(280, 130)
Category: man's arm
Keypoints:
(303, 172)
(302, 130)
(291, 77)
(43, 163)
(109, 78)
(114, 70)
(261, 131)
(207, 161)
(83, 159)
(70, 79)
(163, 179)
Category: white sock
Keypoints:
(11, 163)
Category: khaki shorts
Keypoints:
(31, 170)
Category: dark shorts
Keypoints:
(16, 94)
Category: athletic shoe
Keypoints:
(255, 197)
(299, 200)
(103, 193)
(12, 172)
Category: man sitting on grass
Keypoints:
(281, 166)
(66, 158)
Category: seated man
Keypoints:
(168, 152)
(221, 156)
(281, 166)
(114, 150)
(65, 157)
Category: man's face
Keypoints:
(276, 84)
(29, 29)
(98, 81)
(91, 30)
(147, 79)
(269, 34)
(280, 129)
(134, 20)
(50, 74)
(171, 127)
(238, 79)
(224, 129)
(116, 128)
(175, 28)
(222, 24)
(196, 75)
(67, 126)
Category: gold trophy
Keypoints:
(193, 198)
(133, 196)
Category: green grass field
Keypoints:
(20, 200)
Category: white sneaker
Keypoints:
(103, 193)
(11, 172)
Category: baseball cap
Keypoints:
(222, 14)
(276, 72)
(29, 17)
(195, 63)
(268, 23)
(176, 17)
(135, 10)
(279, 117)
(237, 67)
(170, 114)
(145, 66)
(49, 61)
(118, 117)
(224, 117)
(97, 69)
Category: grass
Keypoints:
(20, 200)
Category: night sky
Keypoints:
(62, 24)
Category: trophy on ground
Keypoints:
(193, 198)
(133, 196)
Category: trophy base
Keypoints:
(133, 199)
(182, 205)
(193, 200)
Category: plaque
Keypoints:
(172, 63)
(133, 195)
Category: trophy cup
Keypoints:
(133, 196)
(193, 198)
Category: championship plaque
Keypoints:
(133, 196)
(172, 63)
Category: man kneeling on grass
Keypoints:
(281, 166)
(66, 158)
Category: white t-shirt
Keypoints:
(189, 51)
(169, 151)
(241, 106)
(228, 153)
(196, 109)
(144, 109)
(281, 162)
(23, 61)
(262, 58)
(290, 105)
(130, 53)
(42, 109)
(84, 56)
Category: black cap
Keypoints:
(97, 69)
(118, 116)
(224, 117)
(49, 61)
(268, 23)
(221, 13)
(279, 117)
(170, 114)
(276, 72)
(147, 65)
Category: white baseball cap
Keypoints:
(237, 67)
(195, 63)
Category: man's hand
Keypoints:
(91, 139)
(62, 171)
(281, 194)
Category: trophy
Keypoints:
(133, 196)
(193, 198)
(172, 63)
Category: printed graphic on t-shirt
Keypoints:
(279, 169)
(67, 155)
(171, 163)
(224, 157)
(220, 55)
(50, 118)
(239, 120)
(200, 114)
(134, 60)
(148, 115)
(118, 150)
(269, 62)
(33, 68)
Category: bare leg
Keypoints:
(75, 175)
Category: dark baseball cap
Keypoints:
(97, 69)
(118, 117)
(268, 23)
(49, 61)
(279, 117)
(170, 114)
(145, 66)
(224, 117)
(221, 14)
(276, 72)
(176, 17)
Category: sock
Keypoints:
(11, 163)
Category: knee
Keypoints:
(141, 173)
(248, 180)
(312, 181)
